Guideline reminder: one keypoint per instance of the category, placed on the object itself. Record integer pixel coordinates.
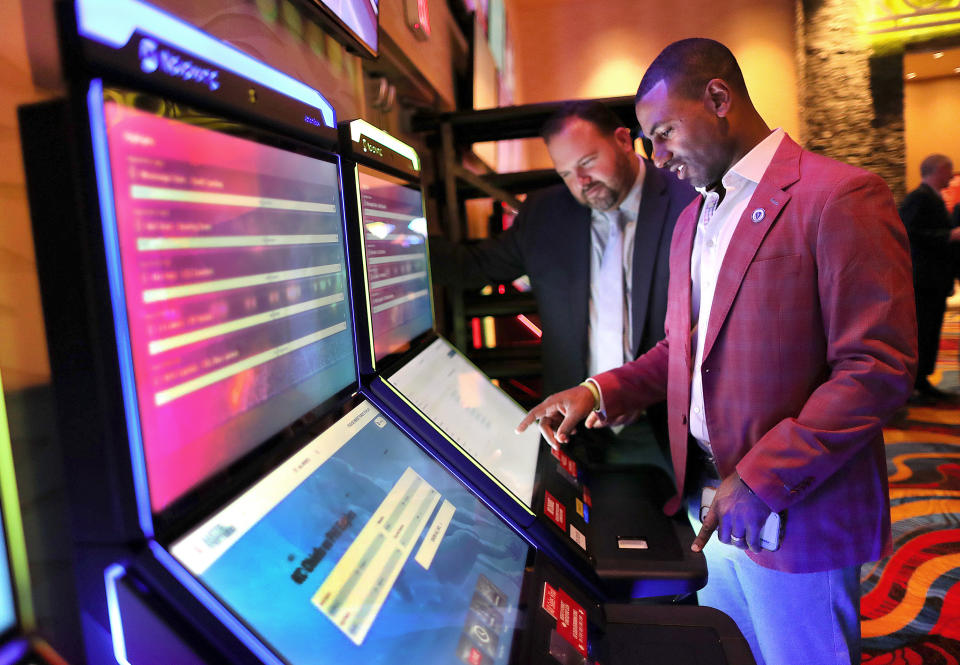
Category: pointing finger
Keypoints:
(709, 526)
(533, 415)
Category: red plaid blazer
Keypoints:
(810, 347)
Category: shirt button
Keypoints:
(696, 410)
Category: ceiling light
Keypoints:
(938, 55)
(956, 70)
(911, 75)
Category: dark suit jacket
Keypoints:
(928, 225)
(550, 242)
(811, 345)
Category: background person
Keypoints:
(931, 233)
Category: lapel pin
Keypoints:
(758, 215)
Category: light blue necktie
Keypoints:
(610, 302)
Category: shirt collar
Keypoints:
(631, 203)
(754, 164)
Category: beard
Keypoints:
(599, 195)
(603, 196)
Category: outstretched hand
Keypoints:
(559, 414)
(736, 514)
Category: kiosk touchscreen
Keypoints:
(365, 549)
(636, 551)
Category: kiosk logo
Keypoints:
(369, 146)
(149, 61)
(154, 58)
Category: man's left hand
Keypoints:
(736, 514)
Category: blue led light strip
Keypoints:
(113, 23)
(225, 617)
(110, 577)
(108, 216)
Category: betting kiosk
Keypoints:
(238, 499)
(188, 228)
(606, 524)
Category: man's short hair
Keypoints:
(605, 120)
(688, 65)
(933, 162)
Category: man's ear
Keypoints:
(717, 97)
(622, 137)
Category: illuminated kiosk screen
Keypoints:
(462, 401)
(234, 280)
(394, 239)
(363, 549)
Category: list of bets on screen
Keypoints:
(234, 279)
(394, 236)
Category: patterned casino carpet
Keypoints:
(910, 607)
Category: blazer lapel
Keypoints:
(678, 329)
(651, 219)
(680, 319)
(766, 204)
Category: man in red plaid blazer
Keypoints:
(790, 339)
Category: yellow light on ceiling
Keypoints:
(891, 24)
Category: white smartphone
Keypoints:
(770, 537)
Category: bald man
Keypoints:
(790, 340)
(931, 233)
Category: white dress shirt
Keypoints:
(599, 232)
(714, 230)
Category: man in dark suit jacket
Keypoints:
(931, 233)
(790, 340)
(553, 239)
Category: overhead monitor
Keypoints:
(359, 18)
(227, 271)
(397, 266)
(367, 551)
